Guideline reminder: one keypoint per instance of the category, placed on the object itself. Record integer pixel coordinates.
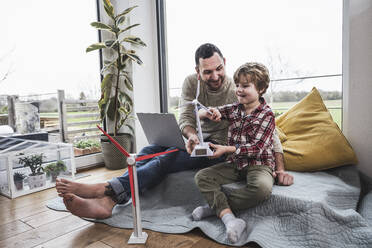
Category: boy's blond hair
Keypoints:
(258, 73)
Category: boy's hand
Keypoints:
(203, 113)
(215, 116)
(283, 178)
(218, 150)
(191, 142)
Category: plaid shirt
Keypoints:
(252, 134)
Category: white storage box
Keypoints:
(15, 156)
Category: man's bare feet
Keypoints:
(84, 190)
(96, 208)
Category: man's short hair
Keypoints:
(258, 73)
(206, 51)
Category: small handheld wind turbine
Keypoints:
(202, 149)
(137, 237)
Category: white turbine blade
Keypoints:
(204, 107)
(197, 90)
(184, 105)
(200, 133)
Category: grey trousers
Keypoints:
(259, 182)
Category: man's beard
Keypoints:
(211, 83)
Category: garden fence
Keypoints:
(77, 118)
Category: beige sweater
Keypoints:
(225, 95)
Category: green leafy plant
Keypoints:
(34, 162)
(82, 144)
(115, 102)
(4, 110)
(55, 168)
(17, 176)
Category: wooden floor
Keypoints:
(27, 222)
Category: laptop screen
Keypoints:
(161, 129)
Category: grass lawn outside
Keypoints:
(334, 107)
(71, 114)
(73, 119)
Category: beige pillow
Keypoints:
(311, 140)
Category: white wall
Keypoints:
(145, 76)
(357, 87)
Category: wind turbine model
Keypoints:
(137, 237)
(202, 149)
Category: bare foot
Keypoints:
(84, 190)
(97, 208)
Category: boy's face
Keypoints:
(212, 71)
(246, 90)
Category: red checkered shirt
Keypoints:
(252, 134)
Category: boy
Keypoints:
(250, 149)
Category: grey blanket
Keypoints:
(318, 210)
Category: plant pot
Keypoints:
(80, 151)
(53, 176)
(112, 157)
(85, 151)
(96, 149)
(18, 184)
(36, 181)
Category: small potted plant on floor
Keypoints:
(18, 180)
(37, 178)
(54, 169)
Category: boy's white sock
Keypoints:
(234, 227)
(202, 212)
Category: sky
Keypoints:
(43, 42)
(43, 45)
(305, 35)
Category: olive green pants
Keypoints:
(259, 182)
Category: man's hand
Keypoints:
(191, 142)
(283, 178)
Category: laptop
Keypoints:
(162, 129)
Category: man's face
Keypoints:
(212, 71)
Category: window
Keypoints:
(299, 41)
(43, 48)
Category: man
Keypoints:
(98, 200)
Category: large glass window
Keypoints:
(43, 48)
(299, 41)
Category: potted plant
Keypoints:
(83, 147)
(54, 169)
(37, 177)
(116, 102)
(18, 180)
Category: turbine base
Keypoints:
(138, 240)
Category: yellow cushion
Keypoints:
(281, 134)
(311, 139)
